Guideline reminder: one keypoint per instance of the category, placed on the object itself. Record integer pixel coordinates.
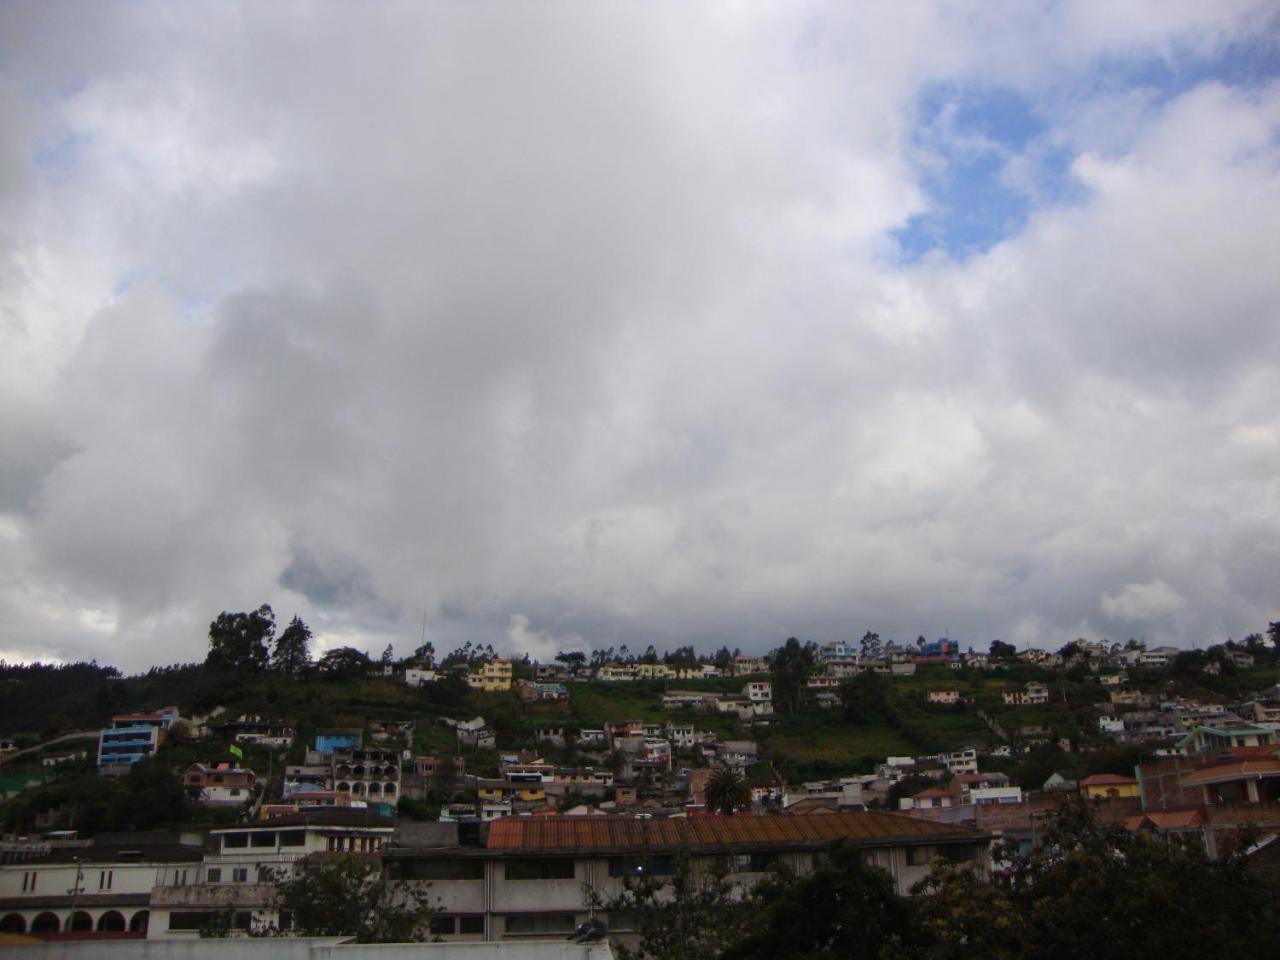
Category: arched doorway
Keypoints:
(80, 922)
(46, 923)
(13, 923)
(111, 922)
(139, 922)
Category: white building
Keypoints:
(239, 874)
(90, 888)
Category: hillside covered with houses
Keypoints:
(260, 754)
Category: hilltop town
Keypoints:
(266, 757)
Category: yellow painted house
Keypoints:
(526, 792)
(493, 676)
(1103, 786)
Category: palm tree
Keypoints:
(726, 791)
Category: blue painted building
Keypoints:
(327, 741)
(132, 737)
(839, 650)
(942, 647)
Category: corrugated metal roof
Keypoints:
(574, 834)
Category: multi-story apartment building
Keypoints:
(534, 875)
(374, 774)
(493, 676)
(120, 747)
(132, 737)
(235, 882)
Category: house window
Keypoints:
(104, 879)
(541, 868)
(213, 875)
(29, 882)
(752, 862)
(240, 875)
(542, 923)
(235, 840)
(189, 921)
(293, 838)
(442, 926)
(471, 925)
(919, 856)
(266, 838)
(432, 869)
(235, 791)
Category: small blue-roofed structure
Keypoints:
(327, 741)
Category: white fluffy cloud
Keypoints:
(587, 325)
(1143, 602)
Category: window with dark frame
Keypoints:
(540, 868)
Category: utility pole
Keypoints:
(75, 892)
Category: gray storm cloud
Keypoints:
(583, 325)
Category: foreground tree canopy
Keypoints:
(348, 896)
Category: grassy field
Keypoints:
(828, 748)
(951, 729)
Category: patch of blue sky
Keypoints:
(967, 137)
(58, 156)
(1247, 63)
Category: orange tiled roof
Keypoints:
(1105, 780)
(932, 792)
(570, 834)
(1167, 819)
(1233, 771)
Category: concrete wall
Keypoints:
(57, 879)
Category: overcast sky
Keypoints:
(599, 323)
